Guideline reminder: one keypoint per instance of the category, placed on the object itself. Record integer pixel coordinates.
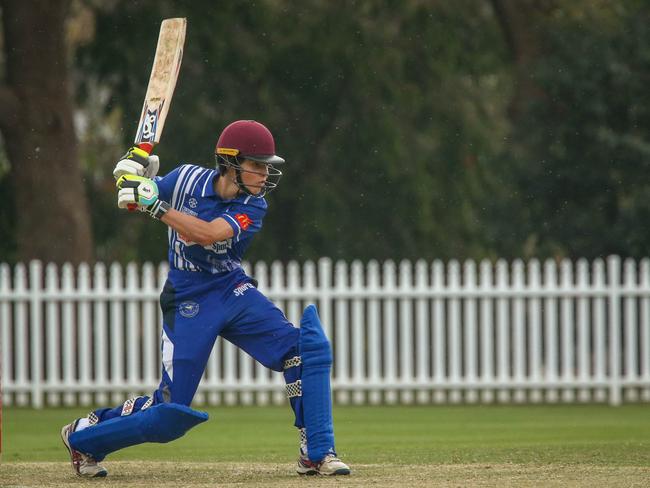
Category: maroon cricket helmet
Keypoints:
(248, 139)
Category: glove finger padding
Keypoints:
(126, 197)
(137, 162)
(128, 167)
(136, 189)
(152, 169)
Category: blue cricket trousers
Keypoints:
(198, 307)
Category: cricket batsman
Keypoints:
(212, 215)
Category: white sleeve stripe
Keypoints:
(179, 183)
(197, 180)
(173, 241)
(186, 182)
(190, 179)
(209, 178)
(173, 237)
(236, 223)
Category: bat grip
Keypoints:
(147, 147)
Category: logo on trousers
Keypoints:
(188, 309)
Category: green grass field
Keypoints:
(581, 445)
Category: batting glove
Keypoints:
(137, 162)
(141, 192)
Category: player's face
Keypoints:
(254, 175)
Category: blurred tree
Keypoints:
(582, 148)
(45, 181)
(412, 129)
(387, 114)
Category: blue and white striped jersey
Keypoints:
(190, 189)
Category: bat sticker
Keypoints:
(149, 125)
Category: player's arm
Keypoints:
(143, 193)
(197, 230)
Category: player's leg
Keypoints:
(318, 434)
(190, 328)
(262, 330)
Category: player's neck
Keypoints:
(225, 187)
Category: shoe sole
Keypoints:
(338, 472)
(308, 473)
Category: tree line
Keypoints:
(411, 129)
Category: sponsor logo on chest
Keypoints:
(220, 247)
(188, 211)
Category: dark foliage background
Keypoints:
(412, 129)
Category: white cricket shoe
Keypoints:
(328, 466)
(83, 465)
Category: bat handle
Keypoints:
(147, 147)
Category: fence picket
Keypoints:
(644, 334)
(6, 339)
(69, 349)
(550, 330)
(84, 332)
(100, 338)
(422, 333)
(584, 332)
(567, 329)
(20, 331)
(487, 333)
(36, 332)
(374, 334)
(358, 334)
(600, 354)
(438, 338)
(390, 331)
(631, 333)
(503, 332)
(613, 283)
(518, 332)
(470, 329)
(341, 339)
(133, 329)
(116, 328)
(454, 352)
(535, 331)
(52, 331)
(406, 332)
(149, 335)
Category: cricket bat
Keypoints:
(162, 82)
(164, 73)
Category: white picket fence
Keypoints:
(409, 333)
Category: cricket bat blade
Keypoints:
(162, 82)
